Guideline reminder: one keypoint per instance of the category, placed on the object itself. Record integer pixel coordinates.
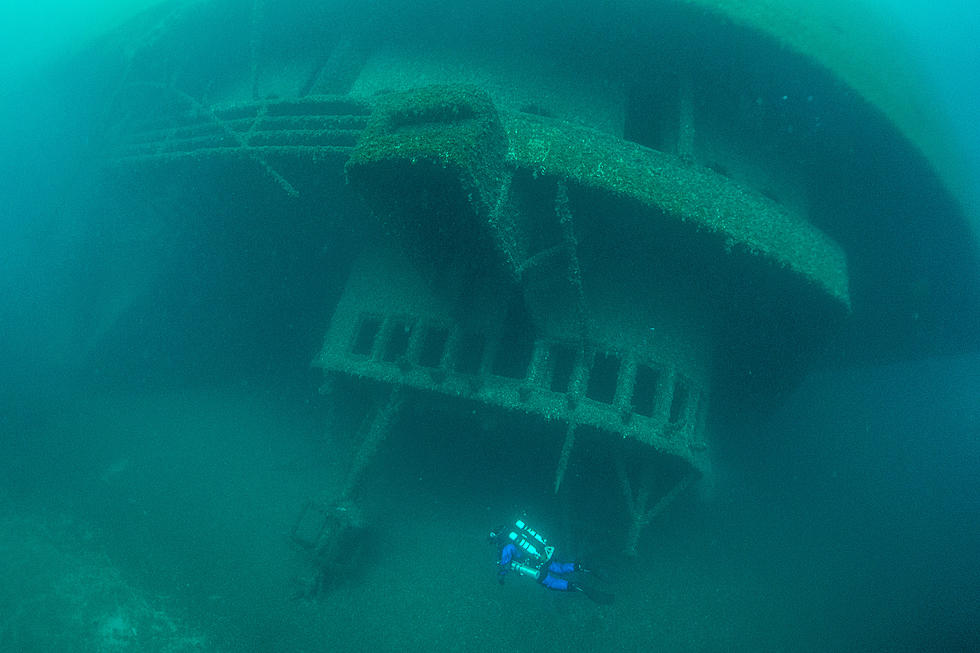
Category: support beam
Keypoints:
(636, 503)
(566, 453)
(378, 430)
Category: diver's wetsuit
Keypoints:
(511, 552)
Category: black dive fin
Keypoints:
(598, 596)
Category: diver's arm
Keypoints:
(506, 555)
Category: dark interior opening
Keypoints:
(563, 366)
(433, 346)
(679, 402)
(365, 334)
(516, 343)
(602, 378)
(645, 390)
(469, 353)
(398, 337)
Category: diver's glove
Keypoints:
(580, 567)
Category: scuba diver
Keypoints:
(526, 552)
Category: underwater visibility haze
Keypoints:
(303, 300)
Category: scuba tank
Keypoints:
(531, 542)
(525, 569)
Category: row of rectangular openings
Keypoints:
(512, 361)
(368, 330)
(603, 378)
(645, 394)
(433, 344)
(513, 356)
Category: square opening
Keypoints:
(562, 367)
(645, 390)
(399, 336)
(603, 377)
(433, 346)
(365, 335)
(513, 356)
(469, 353)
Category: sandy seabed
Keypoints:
(168, 531)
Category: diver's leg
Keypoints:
(555, 583)
(561, 567)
